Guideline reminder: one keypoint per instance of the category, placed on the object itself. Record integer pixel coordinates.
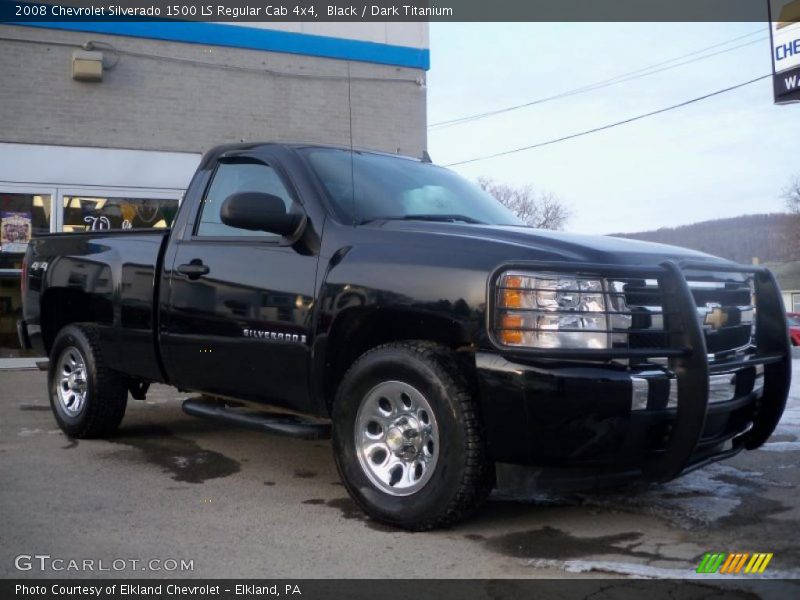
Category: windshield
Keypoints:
(794, 320)
(388, 187)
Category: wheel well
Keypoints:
(63, 306)
(354, 334)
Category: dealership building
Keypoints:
(103, 124)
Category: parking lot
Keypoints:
(242, 504)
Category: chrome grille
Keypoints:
(724, 309)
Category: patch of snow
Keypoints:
(25, 432)
(645, 571)
(634, 570)
(781, 446)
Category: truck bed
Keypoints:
(107, 277)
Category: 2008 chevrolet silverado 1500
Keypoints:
(388, 302)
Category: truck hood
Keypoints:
(526, 243)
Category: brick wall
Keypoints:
(152, 104)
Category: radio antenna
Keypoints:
(352, 166)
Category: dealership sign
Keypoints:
(785, 36)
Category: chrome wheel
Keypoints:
(71, 385)
(397, 438)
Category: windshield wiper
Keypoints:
(462, 218)
(433, 217)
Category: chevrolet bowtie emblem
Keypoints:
(716, 318)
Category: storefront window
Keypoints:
(83, 213)
(22, 216)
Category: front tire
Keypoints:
(407, 437)
(88, 399)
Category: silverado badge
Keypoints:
(274, 336)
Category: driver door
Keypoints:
(237, 317)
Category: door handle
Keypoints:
(194, 270)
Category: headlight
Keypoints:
(551, 311)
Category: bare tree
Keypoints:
(542, 210)
(791, 193)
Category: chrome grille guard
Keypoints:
(685, 349)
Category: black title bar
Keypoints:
(386, 589)
(387, 10)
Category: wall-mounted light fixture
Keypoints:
(87, 65)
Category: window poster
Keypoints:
(15, 231)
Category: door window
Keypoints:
(231, 178)
(796, 302)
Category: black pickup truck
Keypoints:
(313, 291)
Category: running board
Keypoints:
(274, 423)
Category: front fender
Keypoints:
(372, 295)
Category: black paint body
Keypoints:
(341, 289)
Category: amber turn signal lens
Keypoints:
(510, 334)
(513, 281)
(512, 299)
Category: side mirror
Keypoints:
(257, 211)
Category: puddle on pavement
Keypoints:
(305, 474)
(35, 407)
(184, 459)
(552, 543)
(350, 510)
(314, 501)
(758, 508)
(269, 483)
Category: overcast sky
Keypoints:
(726, 156)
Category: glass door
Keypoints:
(25, 211)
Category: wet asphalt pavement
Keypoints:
(243, 504)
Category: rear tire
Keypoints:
(88, 399)
(407, 437)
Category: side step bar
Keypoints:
(274, 423)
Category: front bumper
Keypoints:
(657, 421)
(607, 417)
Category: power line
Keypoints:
(610, 125)
(622, 78)
(589, 88)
